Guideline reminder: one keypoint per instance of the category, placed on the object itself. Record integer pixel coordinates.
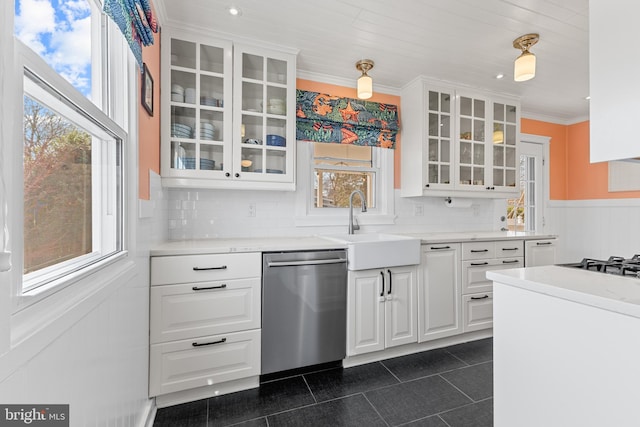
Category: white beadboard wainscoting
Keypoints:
(196, 214)
(594, 228)
(96, 358)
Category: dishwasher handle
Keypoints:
(306, 262)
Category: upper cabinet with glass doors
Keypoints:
(230, 114)
(459, 143)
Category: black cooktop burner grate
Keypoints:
(613, 265)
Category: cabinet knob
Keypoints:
(427, 185)
(237, 175)
(227, 174)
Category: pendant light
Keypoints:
(525, 66)
(365, 82)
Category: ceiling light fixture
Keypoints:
(365, 82)
(525, 66)
(499, 76)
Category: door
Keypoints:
(439, 292)
(400, 306)
(526, 213)
(366, 298)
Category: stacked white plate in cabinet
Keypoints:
(190, 95)
(207, 131)
(177, 93)
(180, 131)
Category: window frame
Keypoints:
(115, 97)
(309, 215)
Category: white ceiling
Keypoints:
(463, 41)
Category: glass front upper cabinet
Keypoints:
(439, 153)
(472, 123)
(505, 136)
(199, 114)
(267, 97)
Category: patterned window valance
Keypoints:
(326, 118)
(136, 21)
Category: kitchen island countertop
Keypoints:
(604, 291)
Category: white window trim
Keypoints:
(39, 313)
(308, 216)
(545, 142)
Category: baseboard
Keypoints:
(404, 350)
(148, 414)
(198, 393)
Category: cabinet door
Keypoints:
(505, 136)
(439, 292)
(473, 123)
(264, 113)
(540, 252)
(477, 311)
(197, 104)
(366, 298)
(438, 143)
(400, 306)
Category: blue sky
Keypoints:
(60, 32)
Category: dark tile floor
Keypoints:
(448, 387)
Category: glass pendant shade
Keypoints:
(524, 67)
(365, 87)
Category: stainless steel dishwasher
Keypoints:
(304, 309)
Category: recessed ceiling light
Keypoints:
(499, 76)
(588, 97)
(234, 11)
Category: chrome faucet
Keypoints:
(353, 227)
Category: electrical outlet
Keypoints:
(418, 210)
(252, 210)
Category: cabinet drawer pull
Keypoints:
(482, 297)
(479, 263)
(382, 290)
(511, 261)
(510, 249)
(436, 248)
(198, 288)
(543, 243)
(473, 251)
(389, 271)
(197, 344)
(222, 267)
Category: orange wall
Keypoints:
(149, 126)
(571, 175)
(349, 92)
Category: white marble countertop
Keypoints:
(292, 243)
(605, 291)
(258, 244)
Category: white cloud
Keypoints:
(61, 33)
(36, 18)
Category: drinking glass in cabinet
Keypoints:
(211, 89)
(252, 128)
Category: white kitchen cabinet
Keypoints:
(477, 259)
(477, 311)
(230, 114)
(614, 107)
(205, 319)
(382, 309)
(540, 252)
(459, 142)
(439, 291)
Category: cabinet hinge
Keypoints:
(543, 160)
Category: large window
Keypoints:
(72, 163)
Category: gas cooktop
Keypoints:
(614, 265)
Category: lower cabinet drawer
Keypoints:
(477, 311)
(474, 273)
(181, 365)
(209, 308)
